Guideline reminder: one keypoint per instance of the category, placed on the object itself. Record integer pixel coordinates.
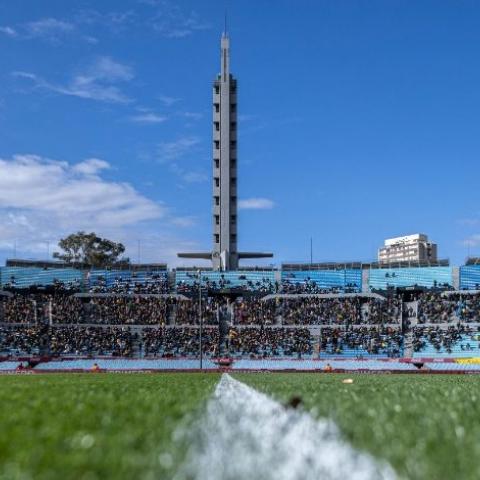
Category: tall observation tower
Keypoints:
(224, 254)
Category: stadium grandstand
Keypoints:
(298, 316)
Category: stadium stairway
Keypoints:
(408, 345)
(413, 307)
(138, 342)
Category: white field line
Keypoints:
(245, 435)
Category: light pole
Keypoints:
(200, 318)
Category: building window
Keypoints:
(233, 182)
(217, 126)
(233, 143)
(233, 107)
(217, 162)
(233, 125)
(217, 219)
(217, 200)
(234, 238)
(217, 107)
(216, 237)
(217, 89)
(217, 181)
(217, 144)
(233, 219)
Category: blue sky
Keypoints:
(357, 121)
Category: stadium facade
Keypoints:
(224, 254)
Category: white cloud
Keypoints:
(50, 28)
(148, 117)
(184, 222)
(91, 166)
(256, 204)
(113, 21)
(172, 22)
(9, 31)
(42, 200)
(194, 177)
(192, 115)
(169, 151)
(41, 197)
(168, 101)
(96, 82)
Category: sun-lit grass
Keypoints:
(427, 427)
(111, 426)
(95, 426)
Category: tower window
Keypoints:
(217, 126)
(217, 200)
(217, 181)
(233, 182)
(233, 219)
(217, 144)
(233, 125)
(216, 237)
(217, 162)
(233, 107)
(217, 89)
(217, 107)
(217, 219)
(234, 238)
(233, 143)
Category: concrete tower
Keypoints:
(225, 165)
(224, 254)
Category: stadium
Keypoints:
(306, 370)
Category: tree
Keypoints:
(90, 249)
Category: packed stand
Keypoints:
(255, 311)
(179, 342)
(186, 312)
(460, 337)
(378, 312)
(18, 309)
(362, 341)
(320, 311)
(269, 342)
(110, 341)
(110, 310)
(25, 340)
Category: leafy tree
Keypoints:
(90, 249)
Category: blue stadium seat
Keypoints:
(340, 280)
(24, 277)
(244, 280)
(470, 277)
(429, 277)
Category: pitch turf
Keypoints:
(111, 426)
(427, 427)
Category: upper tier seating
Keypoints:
(322, 281)
(429, 277)
(262, 281)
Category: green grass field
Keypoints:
(114, 426)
